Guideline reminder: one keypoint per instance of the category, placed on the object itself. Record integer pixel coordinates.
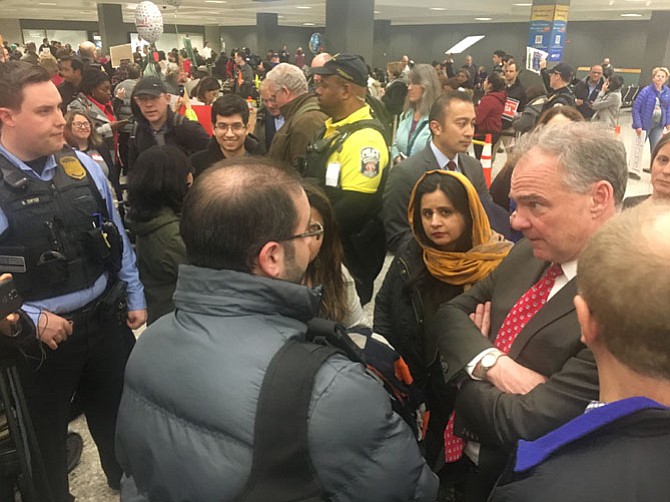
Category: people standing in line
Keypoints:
(651, 108)
(451, 247)
(156, 191)
(71, 68)
(413, 132)
(607, 104)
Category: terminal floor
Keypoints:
(87, 481)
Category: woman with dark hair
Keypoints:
(156, 190)
(340, 302)
(95, 100)
(207, 90)
(489, 110)
(608, 102)
(396, 89)
(80, 134)
(660, 176)
(559, 113)
(452, 247)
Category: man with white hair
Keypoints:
(287, 88)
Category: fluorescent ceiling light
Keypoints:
(377, 12)
(437, 8)
(524, 4)
(631, 15)
(215, 1)
(464, 44)
(303, 7)
(483, 18)
(46, 3)
(308, 24)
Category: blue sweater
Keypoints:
(643, 107)
(420, 138)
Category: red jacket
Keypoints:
(489, 112)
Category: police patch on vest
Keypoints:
(370, 158)
(73, 167)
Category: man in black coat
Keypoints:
(557, 81)
(157, 124)
(451, 122)
(587, 89)
(616, 450)
(531, 373)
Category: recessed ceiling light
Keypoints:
(131, 6)
(303, 7)
(308, 24)
(46, 3)
(377, 12)
(215, 1)
(437, 8)
(483, 18)
(631, 15)
(522, 4)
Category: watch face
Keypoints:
(489, 360)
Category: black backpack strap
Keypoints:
(282, 469)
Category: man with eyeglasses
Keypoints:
(231, 137)
(193, 381)
(157, 124)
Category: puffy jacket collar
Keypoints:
(229, 293)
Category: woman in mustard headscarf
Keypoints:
(451, 247)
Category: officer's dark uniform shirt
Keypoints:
(128, 273)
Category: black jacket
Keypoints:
(563, 96)
(622, 461)
(185, 134)
(206, 158)
(582, 92)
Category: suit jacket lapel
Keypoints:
(558, 306)
(430, 162)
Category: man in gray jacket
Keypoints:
(186, 421)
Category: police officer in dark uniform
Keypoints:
(62, 240)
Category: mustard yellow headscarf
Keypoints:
(462, 268)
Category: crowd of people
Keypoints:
(243, 208)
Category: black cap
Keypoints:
(149, 86)
(564, 70)
(348, 66)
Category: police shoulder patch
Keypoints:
(73, 167)
(370, 160)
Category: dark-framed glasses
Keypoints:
(236, 127)
(315, 229)
(81, 125)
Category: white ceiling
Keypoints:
(243, 12)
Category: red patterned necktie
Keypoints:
(523, 311)
(451, 166)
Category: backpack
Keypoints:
(383, 115)
(282, 470)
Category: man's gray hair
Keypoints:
(289, 76)
(587, 152)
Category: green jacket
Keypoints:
(160, 250)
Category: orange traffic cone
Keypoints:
(486, 159)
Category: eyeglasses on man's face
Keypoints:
(81, 125)
(315, 229)
(237, 127)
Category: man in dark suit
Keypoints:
(530, 372)
(592, 457)
(452, 124)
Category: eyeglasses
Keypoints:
(314, 230)
(81, 125)
(237, 127)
